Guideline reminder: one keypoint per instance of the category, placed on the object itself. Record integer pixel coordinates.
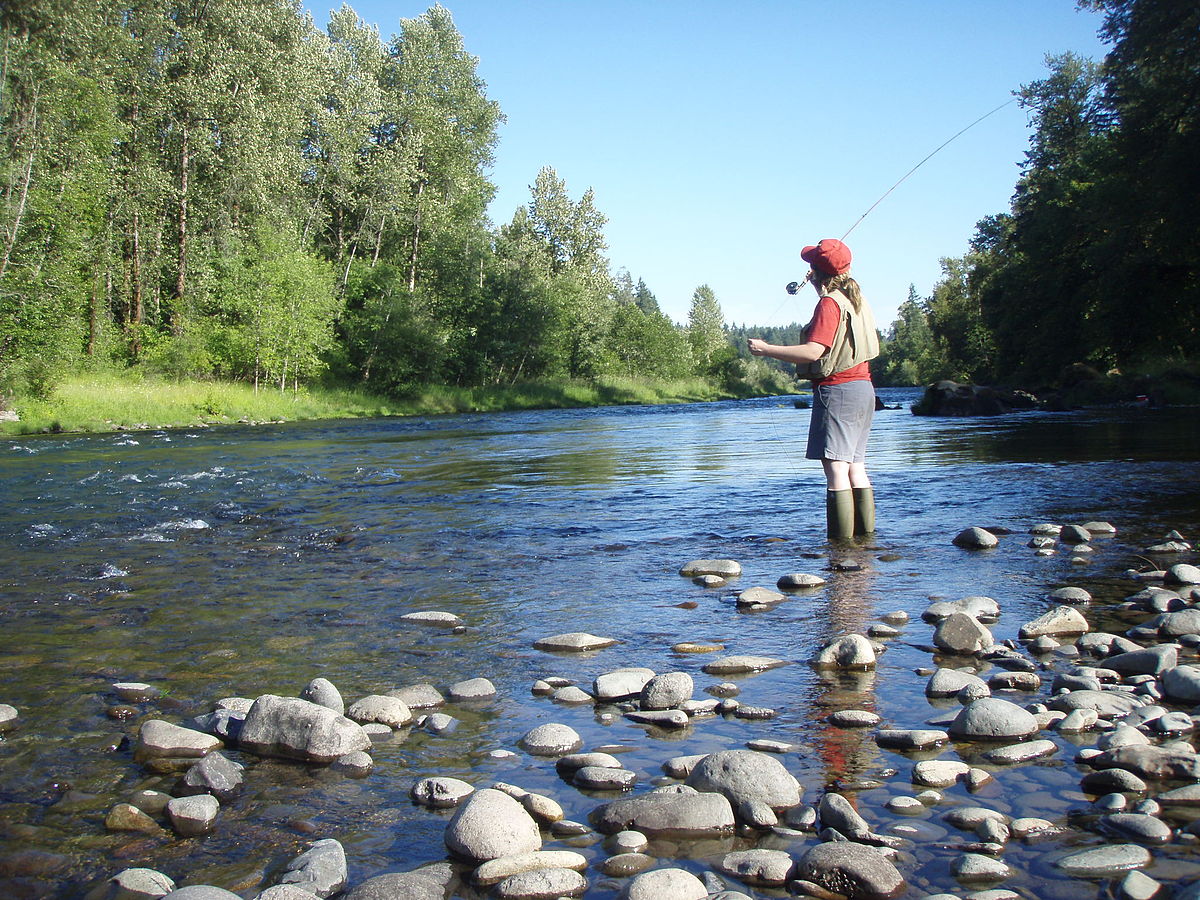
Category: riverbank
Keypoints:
(120, 402)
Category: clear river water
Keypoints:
(239, 561)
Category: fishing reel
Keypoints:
(793, 287)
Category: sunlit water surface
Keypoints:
(242, 561)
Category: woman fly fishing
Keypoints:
(838, 343)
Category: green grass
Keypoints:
(127, 401)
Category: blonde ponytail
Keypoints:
(847, 285)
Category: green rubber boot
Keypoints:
(839, 514)
(864, 510)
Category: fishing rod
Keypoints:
(794, 286)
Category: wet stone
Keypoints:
(620, 684)
(759, 597)
(573, 642)
(418, 696)
(910, 739)
(798, 581)
(471, 689)
(542, 883)
(440, 793)
(435, 618)
(854, 718)
(380, 710)
(1139, 827)
(851, 651)
(975, 538)
(1105, 860)
(743, 664)
(948, 682)
(768, 868)
(726, 568)
(139, 884)
(551, 739)
(127, 817)
(193, 816)
(567, 765)
(602, 778)
(322, 692)
(851, 869)
(623, 865)
(665, 884)
(571, 695)
(1020, 753)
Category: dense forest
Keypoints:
(1098, 259)
(224, 190)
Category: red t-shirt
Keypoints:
(822, 329)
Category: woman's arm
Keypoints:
(792, 353)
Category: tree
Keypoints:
(706, 329)
(909, 355)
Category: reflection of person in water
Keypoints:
(845, 753)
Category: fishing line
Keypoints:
(903, 179)
(925, 160)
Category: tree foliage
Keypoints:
(224, 189)
(1098, 259)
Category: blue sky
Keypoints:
(721, 137)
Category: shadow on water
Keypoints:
(241, 561)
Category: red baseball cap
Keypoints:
(830, 256)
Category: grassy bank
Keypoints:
(120, 402)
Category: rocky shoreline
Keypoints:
(738, 823)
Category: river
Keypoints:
(238, 561)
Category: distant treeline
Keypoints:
(1098, 259)
(222, 189)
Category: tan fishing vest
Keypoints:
(855, 341)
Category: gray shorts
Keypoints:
(841, 421)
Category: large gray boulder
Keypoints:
(669, 814)
(490, 824)
(745, 776)
(292, 728)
